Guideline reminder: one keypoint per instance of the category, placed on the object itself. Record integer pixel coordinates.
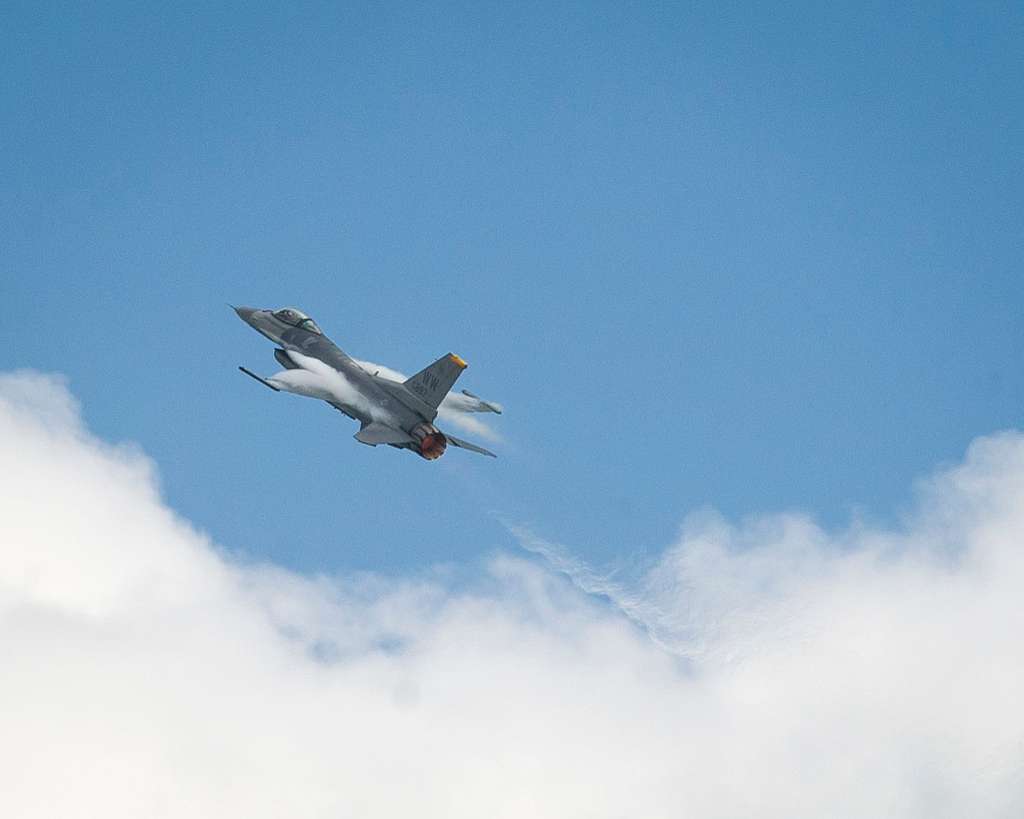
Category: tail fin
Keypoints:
(432, 384)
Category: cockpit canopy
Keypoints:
(296, 318)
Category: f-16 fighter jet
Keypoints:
(399, 414)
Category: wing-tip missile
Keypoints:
(263, 381)
(487, 405)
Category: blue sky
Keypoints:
(734, 256)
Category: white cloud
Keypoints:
(793, 673)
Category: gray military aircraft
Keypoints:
(399, 414)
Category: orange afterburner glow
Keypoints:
(431, 440)
(433, 446)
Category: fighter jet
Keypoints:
(399, 414)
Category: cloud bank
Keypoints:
(763, 669)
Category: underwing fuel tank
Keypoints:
(284, 360)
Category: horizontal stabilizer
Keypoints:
(376, 433)
(467, 445)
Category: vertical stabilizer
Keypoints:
(432, 384)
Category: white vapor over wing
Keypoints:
(316, 379)
(455, 409)
(146, 672)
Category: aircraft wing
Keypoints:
(467, 445)
(377, 433)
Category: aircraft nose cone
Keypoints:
(244, 313)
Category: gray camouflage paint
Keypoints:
(375, 397)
